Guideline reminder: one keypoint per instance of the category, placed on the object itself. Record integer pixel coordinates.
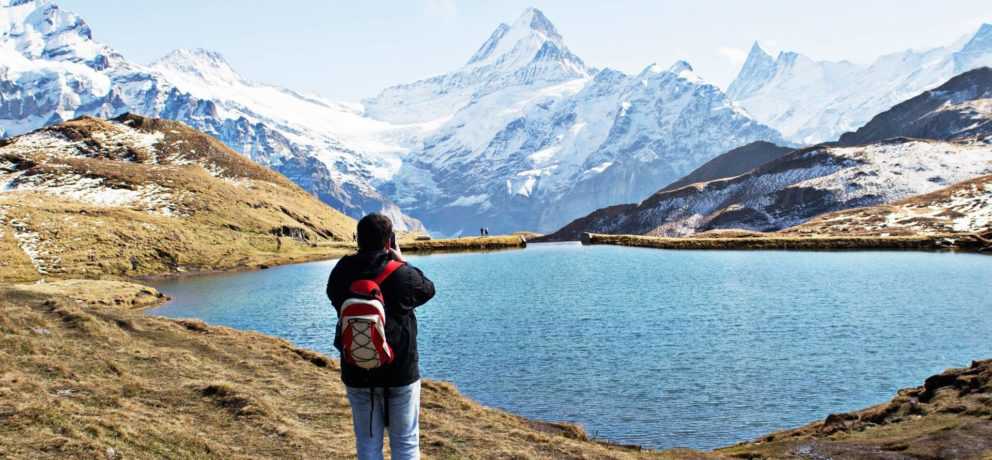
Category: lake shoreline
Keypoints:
(338, 250)
(253, 393)
(956, 404)
(930, 243)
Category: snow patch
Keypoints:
(150, 197)
(598, 169)
(31, 243)
(471, 200)
(54, 145)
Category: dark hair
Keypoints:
(374, 232)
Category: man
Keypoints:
(388, 395)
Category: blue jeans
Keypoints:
(404, 421)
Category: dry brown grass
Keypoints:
(488, 243)
(82, 375)
(770, 242)
(79, 240)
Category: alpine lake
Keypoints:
(658, 348)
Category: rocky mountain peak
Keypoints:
(680, 66)
(758, 69)
(758, 53)
(532, 37)
(487, 48)
(15, 3)
(206, 65)
(976, 52)
(680, 69)
(39, 29)
(984, 34)
(534, 19)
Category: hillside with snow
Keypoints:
(136, 196)
(811, 101)
(965, 207)
(788, 191)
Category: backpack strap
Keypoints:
(391, 267)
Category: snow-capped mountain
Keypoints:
(529, 137)
(815, 101)
(524, 135)
(529, 54)
(51, 70)
(880, 166)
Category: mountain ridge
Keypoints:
(805, 183)
(815, 101)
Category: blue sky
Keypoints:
(347, 50)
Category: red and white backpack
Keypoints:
(363, 322)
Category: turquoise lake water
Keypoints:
(658, 348)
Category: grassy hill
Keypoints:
(136, 196)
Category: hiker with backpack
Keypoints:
(375, 293)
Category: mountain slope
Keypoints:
(735, 162)
(799, 186)
(139, 196)
(963, 207)
(815, 101)
(825, 178)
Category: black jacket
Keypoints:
(405, 289)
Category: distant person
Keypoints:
(375, 293)
(482, 231)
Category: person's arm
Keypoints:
(416, 288)
(337, 291)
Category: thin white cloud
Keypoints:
(734, 55)
(442, 9)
